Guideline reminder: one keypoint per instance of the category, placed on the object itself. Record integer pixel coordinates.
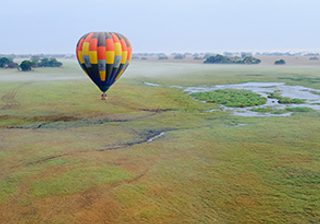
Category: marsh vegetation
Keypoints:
(231, 97)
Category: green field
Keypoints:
(68, 157)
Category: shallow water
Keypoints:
(263, 89)
(312, 100)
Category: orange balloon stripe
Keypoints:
(102, 53)
(80, 44)
(109, 44)
(123, 45)
(115, 38)
(88, 38)
(93, 44)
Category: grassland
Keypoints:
(68, 157)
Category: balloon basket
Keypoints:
(104, 96)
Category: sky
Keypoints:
(54, 26)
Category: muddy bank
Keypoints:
(64, 122)
(144, 137)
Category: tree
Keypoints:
(4, 62)
(251, 60)
(179, 57)
(49, 62)
(220, 59)
(314, 58)
(162, 57)
(217, 59)
(26, 65)
(280, 62)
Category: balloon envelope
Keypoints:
(104, 56)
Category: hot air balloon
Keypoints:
(104, 56)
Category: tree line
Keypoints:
(27, 65)
(220, 59)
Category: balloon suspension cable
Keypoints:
(104, 96)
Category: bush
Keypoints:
(179, 57)
(251, 60)
(280, 62)
(231, 97)
(49, 62)
(217, 59)
(162, 57)
(314, 58)
(4, 62)
(26, 65)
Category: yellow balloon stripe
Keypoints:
(93, 57)
(124, 57)
(80, 57)
(102, 75)
(117, 49)
(85, 49)
(110, 57)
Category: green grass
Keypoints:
(231, 97)
(205, 169)
(8, 187)
(273, 110)
(299, 109)
(270, 110)
(77, 180)
(285, 100)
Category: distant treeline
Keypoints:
(204, 55)
(220, 59)
(28, 56)
(27, 65)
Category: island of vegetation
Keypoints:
(284, 100)
(231, 97)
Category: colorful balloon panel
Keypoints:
(104, 56)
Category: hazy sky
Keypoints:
(54, 26)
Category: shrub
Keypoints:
(163, 57)
(4, 62)
(179, 57)
(26, 65)
(280, 62)
(314, 58)
(49, 62)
